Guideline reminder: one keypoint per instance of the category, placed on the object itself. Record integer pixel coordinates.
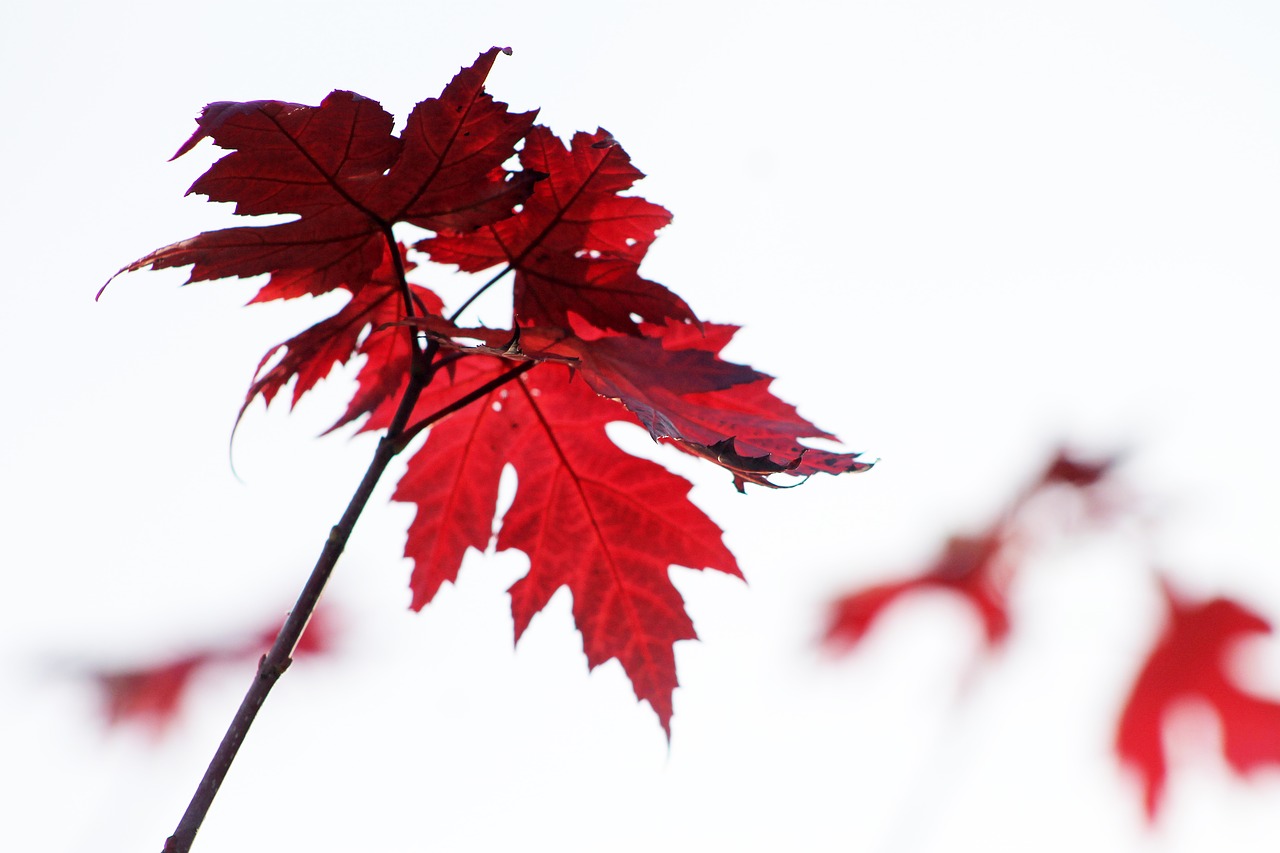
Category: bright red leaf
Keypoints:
(576, 245)
(590, 517)
(1191, 661)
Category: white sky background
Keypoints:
(958, 233)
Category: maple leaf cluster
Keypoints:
(1189, 661)
(152, 695)
(591, 341)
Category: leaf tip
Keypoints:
(192, 141)
(129, 268)
(105, 284)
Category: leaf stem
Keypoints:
(406, 292)
(453, 318)
(462, 402)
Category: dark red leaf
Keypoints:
(717, 410)
(673, 379)
(348, 179)
(1191, 661)
(576, 245)
(762, 426)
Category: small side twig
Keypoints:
(410, 433)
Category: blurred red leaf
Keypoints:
(152, 696)
(1070, 470)
(149, 696)
(970, 567)
(979, 569)
(1190, 661)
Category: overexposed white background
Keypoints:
(958, 233)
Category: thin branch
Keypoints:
(423, 368)
(278, 658)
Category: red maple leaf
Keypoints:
(152, 695)
(590, 517)
(348, 179)
(1190, 661)
(576, 245)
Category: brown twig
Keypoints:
(277, 659)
